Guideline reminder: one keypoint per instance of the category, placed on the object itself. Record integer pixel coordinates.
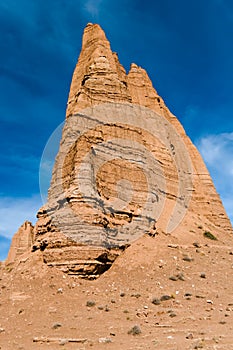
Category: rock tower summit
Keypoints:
(125, 169)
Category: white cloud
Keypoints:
(14, 211)
(92, 7)
(217, 148)
(217, 151)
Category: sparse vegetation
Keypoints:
(209, 235)
(90, 303)
(135, 330)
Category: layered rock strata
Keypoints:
(79, 229)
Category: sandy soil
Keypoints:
(40, 308)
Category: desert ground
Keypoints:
(159, 294)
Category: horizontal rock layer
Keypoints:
(100, 185)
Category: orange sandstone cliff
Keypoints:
(68, 227)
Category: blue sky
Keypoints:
(185, 46)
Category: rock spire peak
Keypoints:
(101, 86)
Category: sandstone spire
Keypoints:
(98, 76)
(100, 87)
(21, 242)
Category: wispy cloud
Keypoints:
(92, 7)
(14, 211)
(217, 151)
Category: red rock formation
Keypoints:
(100, 83)
(21, 242)
(98, 76)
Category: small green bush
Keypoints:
(209, 235)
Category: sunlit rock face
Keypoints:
(125, 168)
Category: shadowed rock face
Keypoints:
(88, 221)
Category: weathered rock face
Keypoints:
(21, 242)
(98, 76)
(125, 168)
